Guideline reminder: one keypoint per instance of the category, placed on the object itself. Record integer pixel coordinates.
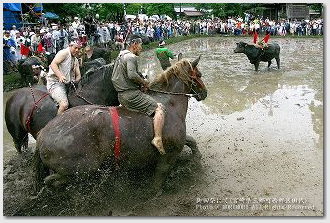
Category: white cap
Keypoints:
(37, 66)
(78, 43)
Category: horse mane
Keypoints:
(180, 69)
(86, 77)
(94, 72)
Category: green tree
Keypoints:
(160, 9)
(317, 7)
(134, 8)
(223, 10)
(66, 9)
(111, 11)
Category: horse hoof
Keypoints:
(197, 156)
(55, 180)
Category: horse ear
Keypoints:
(180, 56)
(195, 62)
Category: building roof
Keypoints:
(192, 13)
(184, 8)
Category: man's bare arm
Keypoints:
(77, 72)
(59, 58)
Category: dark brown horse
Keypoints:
(81, 140)
(30, 109)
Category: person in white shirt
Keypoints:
(13, 32)
(75, 24)
(56, 38)
(63, 70)
(35, 40)
(63, 38)
(19, 40)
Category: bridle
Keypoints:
(197, 79)
(194, 81)
(78, 95)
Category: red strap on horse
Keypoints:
(116, 127)
(29, 118)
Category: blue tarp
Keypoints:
(38, 7)
(14, 7)
(51, 15)
(11, 18)
(12, 11)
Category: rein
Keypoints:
(29, 117)
(34, 99)
(194, 79)
(81, 97)
(173, 93)
(78, 95)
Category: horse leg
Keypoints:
(41, 171)
(191, 143)
(162, 169)
(20, 137)
(56, 180)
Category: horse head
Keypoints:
(95, 86)
(197, 87)
(187, 79)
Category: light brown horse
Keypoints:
(83, 138)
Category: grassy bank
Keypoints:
(13, 80)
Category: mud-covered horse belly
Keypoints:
(82, 140)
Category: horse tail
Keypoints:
(25, 142)
(41, 171)
(18, 133)
(20, 138)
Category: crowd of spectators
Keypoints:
(26, 41)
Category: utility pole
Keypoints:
(124, 5)
(180, 9)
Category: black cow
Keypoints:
(256, 54)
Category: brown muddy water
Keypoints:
(260, 135)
